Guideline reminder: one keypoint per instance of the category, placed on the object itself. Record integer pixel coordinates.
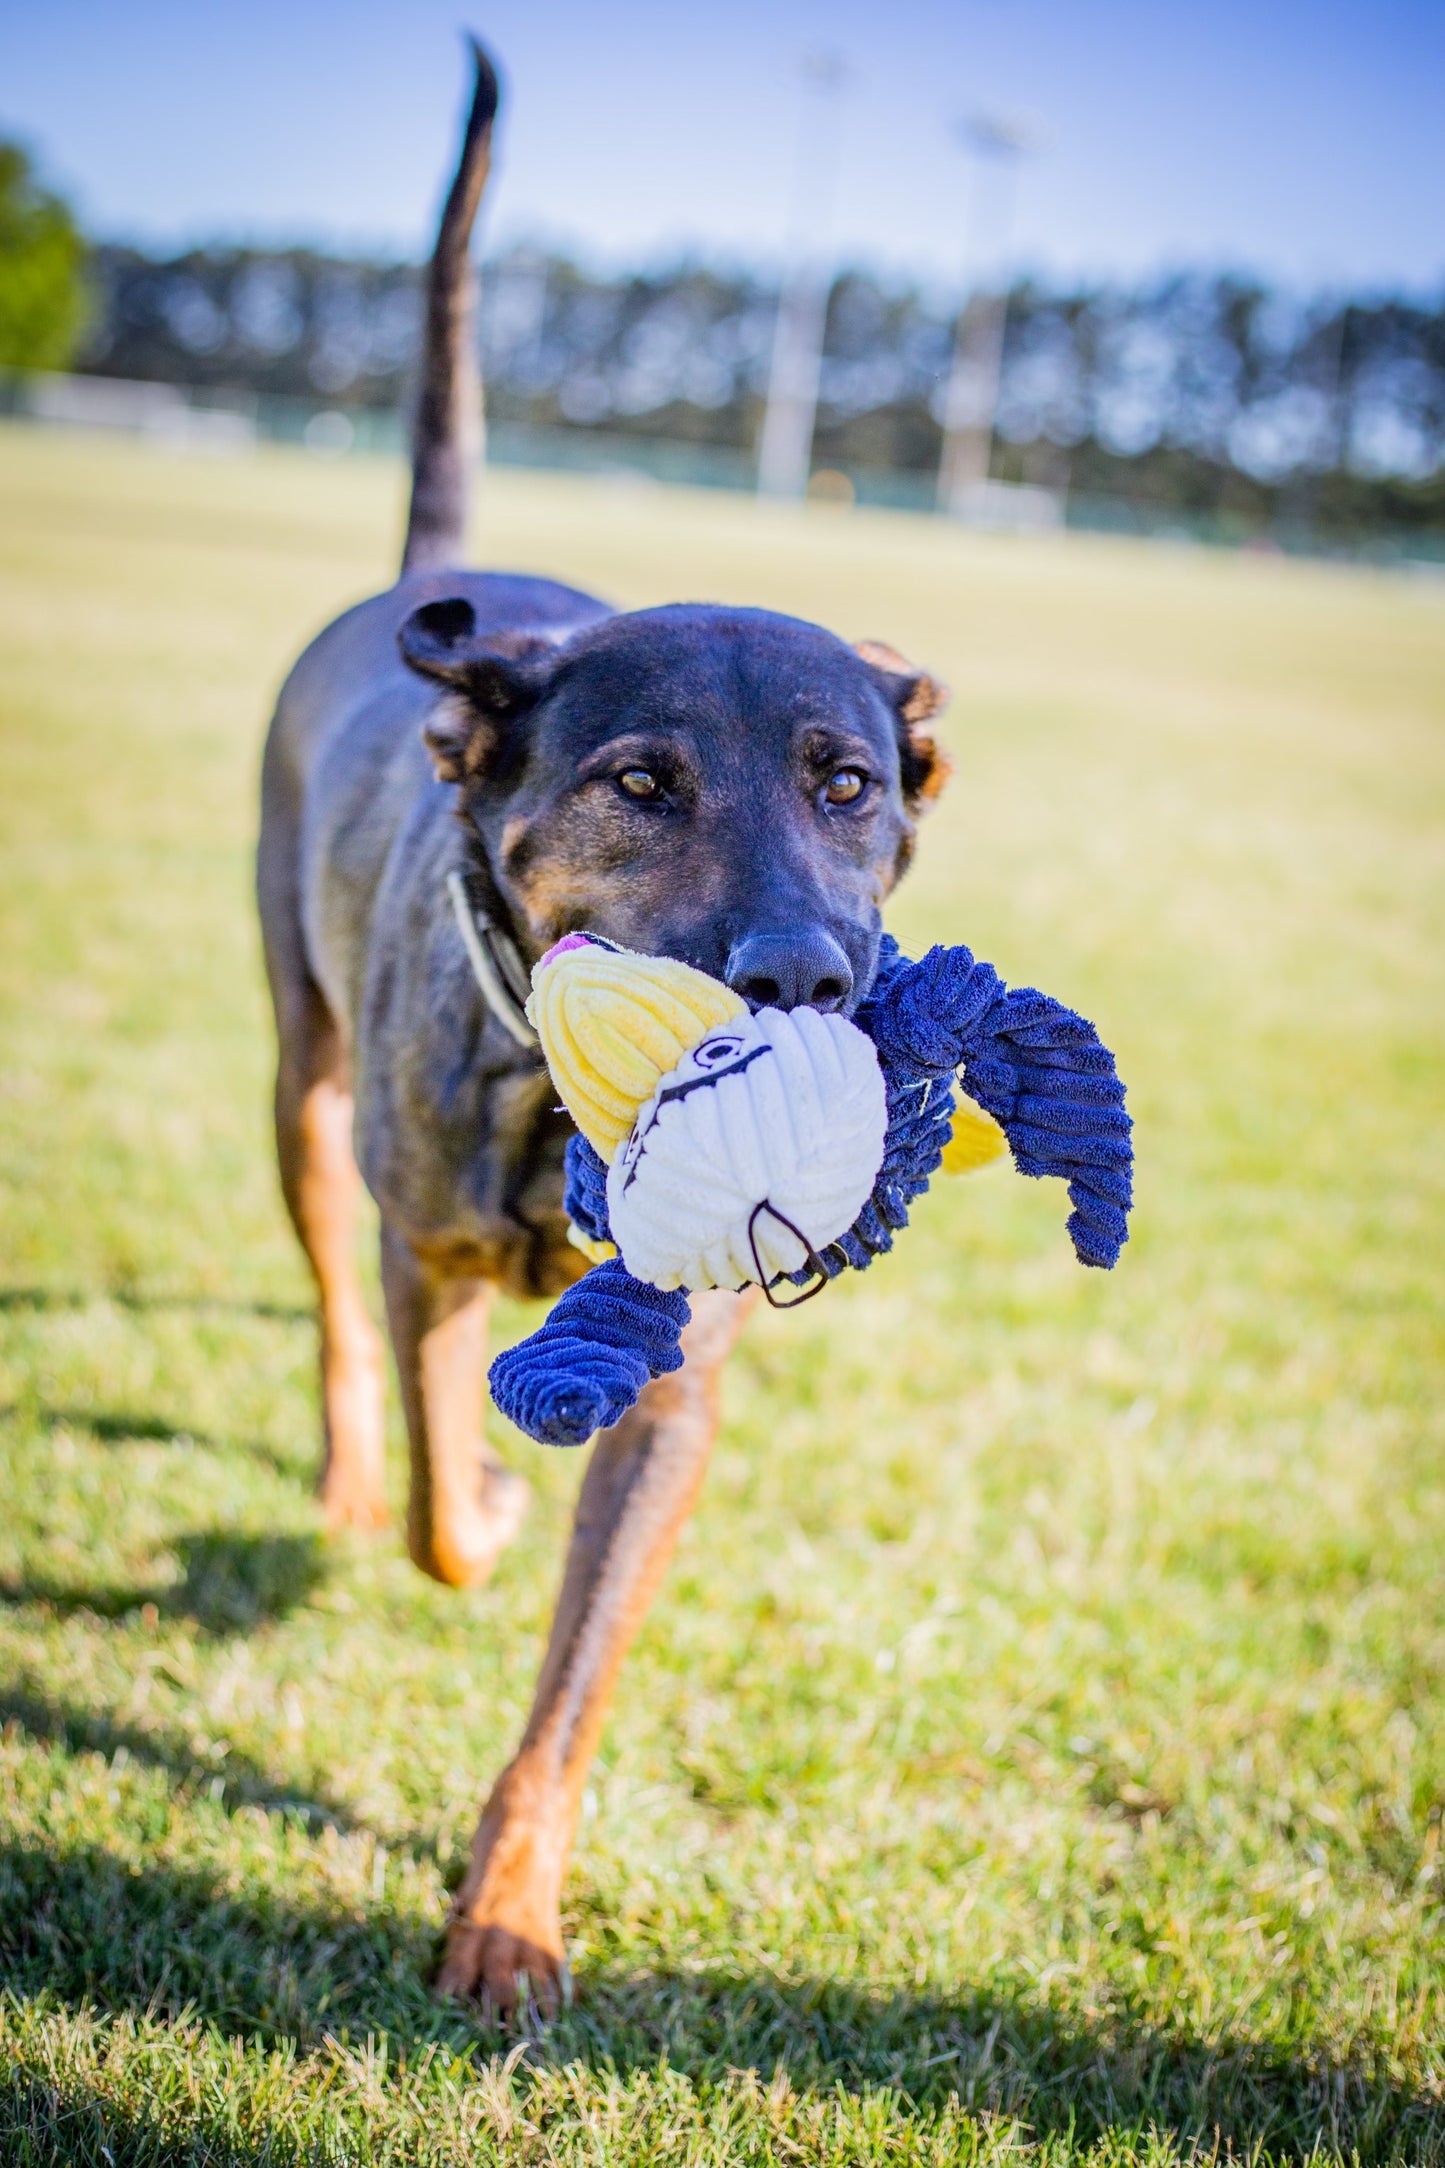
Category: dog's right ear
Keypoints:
(495, 677)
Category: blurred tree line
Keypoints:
(1208, 393)
(42, 289)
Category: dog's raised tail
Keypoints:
(446, 431)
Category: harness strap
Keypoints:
(496, 963)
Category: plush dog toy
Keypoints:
(716, 1147)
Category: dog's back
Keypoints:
(358, 838)
(344, 767)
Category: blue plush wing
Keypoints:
(586, 1366)
(1039, 1069)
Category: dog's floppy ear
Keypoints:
(915, 699)
(495, 677)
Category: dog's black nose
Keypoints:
(790, 971)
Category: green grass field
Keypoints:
(1037, 1753)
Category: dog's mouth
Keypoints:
(765, 969)
(571, 941)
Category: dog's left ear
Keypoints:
(915, 699)
(495, 678)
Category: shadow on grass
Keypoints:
(81, 1298)
(231, 1583)
(128, 1426)
(124, 1426)
(235, 1780)
(242, 1781)
(81, 1926)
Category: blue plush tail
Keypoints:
(583, 1369)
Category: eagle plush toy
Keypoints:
(717, 1147)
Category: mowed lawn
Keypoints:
(1037, 1752)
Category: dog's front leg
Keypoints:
(464, 1505)
(642, 1483)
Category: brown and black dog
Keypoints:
(727, 786)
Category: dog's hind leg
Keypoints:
(465, 1506)
(643, 1481)
(322, 1189)
(318, 1176)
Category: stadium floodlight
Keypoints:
(824, 68)
(996, 141)
(1000, 135)
(785, 451)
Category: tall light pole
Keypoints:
(786, 450)
(996, 143)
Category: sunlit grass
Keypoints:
(1038, 1748)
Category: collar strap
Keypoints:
(496, 962)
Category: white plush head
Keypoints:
(781, 1111)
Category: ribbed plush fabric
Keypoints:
(1039, 1069)
(584, 1193)
(582, 1370)
(612, 1024)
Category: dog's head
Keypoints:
(729, 787)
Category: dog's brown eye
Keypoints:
(640, 783)
(844, 785)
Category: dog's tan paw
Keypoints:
(462, 1548)
(505, 1971)
(359, 1510)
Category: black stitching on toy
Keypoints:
(812, 1256)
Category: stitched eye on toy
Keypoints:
(712, 1052)
(639, 783)
(845, 786)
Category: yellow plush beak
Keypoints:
(611, 1024)
(973, 1140)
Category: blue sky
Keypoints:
(1304, 141)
